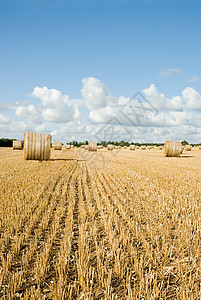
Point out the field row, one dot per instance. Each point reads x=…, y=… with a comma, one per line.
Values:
x=123, y=226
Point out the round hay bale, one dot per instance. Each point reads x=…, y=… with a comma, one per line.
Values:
x=132, y=147
x=72, y=146
x=99, y=147
x=68, y=146
x=187, y=147
x=160, y=147
x=82, y=147
x=57, y=145
x=37, y=146
x=92, y=146
x=143, y=148
x=199, y=147
x=110, y=147
x=86, y=147
x=172, y=149
x=17, y=145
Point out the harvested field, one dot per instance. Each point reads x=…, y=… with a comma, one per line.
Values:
x=100, y=225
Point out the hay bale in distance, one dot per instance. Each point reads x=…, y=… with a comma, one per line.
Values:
x=17, y=145
x=172, y=149
x=132, y=147
x=37, y=146
x=110, y=147
x=68, y=146
x=143, y=148
x=187, y=147
x=57, y=145
x=92, y=146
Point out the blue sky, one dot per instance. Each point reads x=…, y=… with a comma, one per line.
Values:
x=126, y=46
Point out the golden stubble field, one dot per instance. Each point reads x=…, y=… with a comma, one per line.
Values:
x=105, y=225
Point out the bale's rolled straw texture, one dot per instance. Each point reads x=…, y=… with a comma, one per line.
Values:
x=132, y=147
x=92, y=146
x=187, y=147
x=172, y=149
x=17, y=145
x=110, y=147
x=37, y=146
x=143, y=148
x=57, y=145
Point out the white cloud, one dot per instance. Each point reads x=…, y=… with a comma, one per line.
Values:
x=4, y=119
x=160, y=102
x=58, y=114
x=54, y=132
x=193, y=79
x=30, y=113
x=102, y=115
x=40, y=128
x=167, y=72
x=50, y=97
x=95, y=93
x=192, y=98
x=56, y=107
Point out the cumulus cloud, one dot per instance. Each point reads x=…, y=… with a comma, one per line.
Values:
x=4, y=119
x=167, y=72
x=155, y=119
x=160, y=101
x=30, y=113
x=192, y=98
x=56, y=107
x=95, y=93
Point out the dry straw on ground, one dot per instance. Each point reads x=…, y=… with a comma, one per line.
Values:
x=172, y=149
x=92, y=146
x=129, y=230
x=37, y=146
x=17, y=145
x=57, y=145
